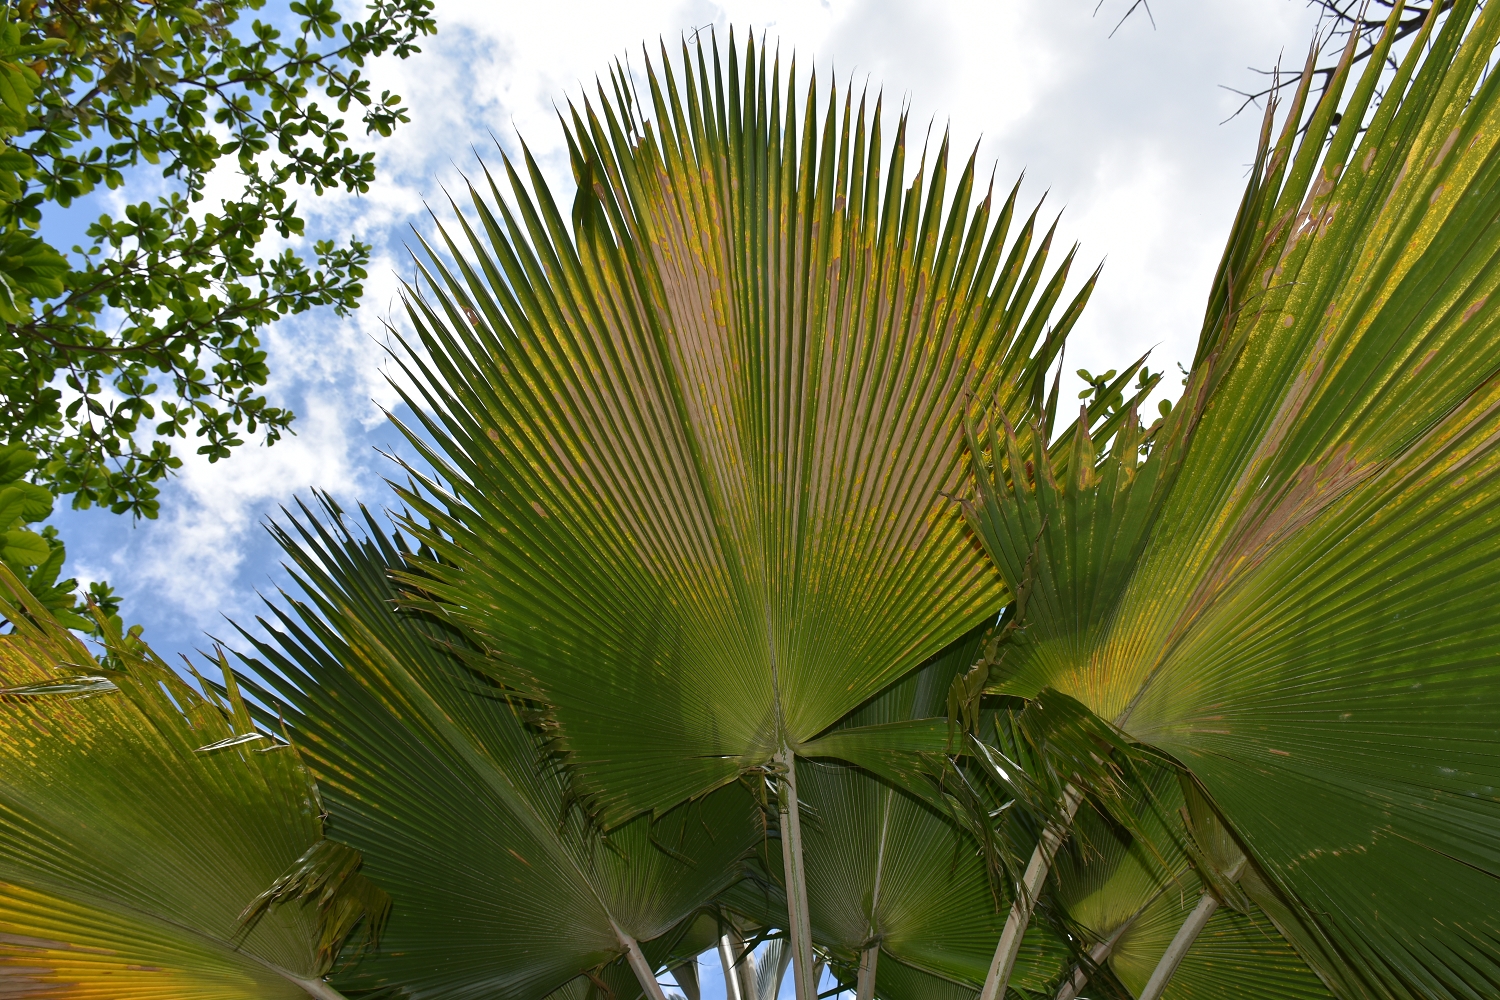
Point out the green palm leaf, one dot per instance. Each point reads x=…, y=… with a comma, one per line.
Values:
x=1238, y=955
x=696, y=446
x=1293, y=596
x=695, y=452
x=128, y=853
x=1127, y=894
x=460, y=812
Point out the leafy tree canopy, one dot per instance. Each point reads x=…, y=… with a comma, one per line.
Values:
x=36, y=557
x=150, y=330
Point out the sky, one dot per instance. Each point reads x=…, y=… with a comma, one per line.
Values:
x=1127, y=129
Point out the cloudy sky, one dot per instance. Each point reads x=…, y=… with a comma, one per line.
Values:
x=1126, y=135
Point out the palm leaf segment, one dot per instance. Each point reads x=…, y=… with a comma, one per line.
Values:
x=139, y=821
x=500, y=889
x=1295, y=594
x=697, y=445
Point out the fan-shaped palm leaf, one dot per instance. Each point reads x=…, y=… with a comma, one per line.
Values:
x=429, y=769
x=1294, y=596
x=696, y=446
x=129, y=848
x=710, y=439
x=1127, y=897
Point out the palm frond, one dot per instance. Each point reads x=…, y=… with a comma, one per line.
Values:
x=454, y=800
x=891, y=862
x=1308, y=624
x=129, y=846
x=695, y=447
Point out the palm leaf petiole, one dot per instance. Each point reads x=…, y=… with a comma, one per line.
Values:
x=1009, y=946
x=739, y=966
x=800, y=929
x=316, y=988
x=1098, y=954
x=1181, y=942
x=638, y=964
x=865, y=985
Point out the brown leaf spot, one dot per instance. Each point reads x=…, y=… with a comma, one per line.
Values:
x=1443, y=153
x=1469, y=312
x=1281, y=511
x=1279, y=753
x=542, y=511
x=41, y=944
x=1287, y=320
x=492, y=434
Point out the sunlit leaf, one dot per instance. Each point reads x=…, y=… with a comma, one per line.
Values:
x=696, y=448
x=125, y=857
x=1294, y=595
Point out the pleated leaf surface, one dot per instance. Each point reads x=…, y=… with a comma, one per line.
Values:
x=1308, y=624
x=126, y=857
x=883, y=865
x=695, y=440
x=1113, y=886
x=499, y=889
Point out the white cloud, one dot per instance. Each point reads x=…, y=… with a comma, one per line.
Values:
x=193, y=559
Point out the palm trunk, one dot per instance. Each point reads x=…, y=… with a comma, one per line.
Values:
x=1009, y=947
x=638, y=964
x=865, y=984
x=1186, y=935
x=800, y=929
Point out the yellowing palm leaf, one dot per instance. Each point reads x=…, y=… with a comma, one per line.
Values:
x=1294, y=595
x=696, y=449
x=697, y=445
x=128, y=854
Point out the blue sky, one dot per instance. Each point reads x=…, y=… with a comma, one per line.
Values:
x=1125, y=134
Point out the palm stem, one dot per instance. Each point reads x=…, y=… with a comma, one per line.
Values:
x=1097, y=955
x=1186, y=935
x=865, y=984
x=739, y=966
x=638, y=964
x=1009, y=946
x=727, y=957
x=317, y=988
x=800, y=931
